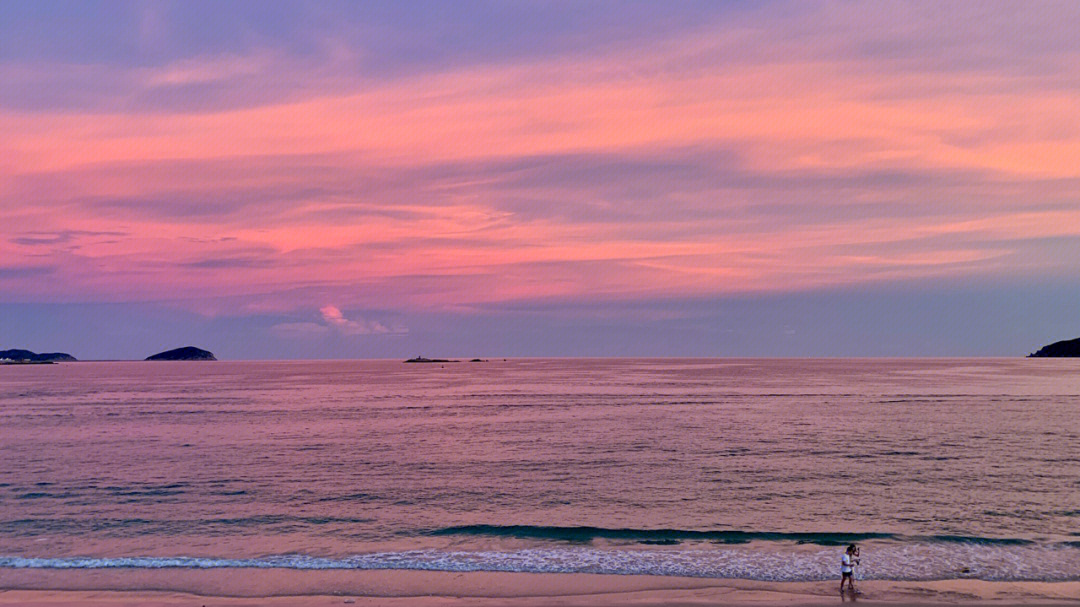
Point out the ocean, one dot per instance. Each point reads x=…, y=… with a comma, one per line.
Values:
x=759, y=469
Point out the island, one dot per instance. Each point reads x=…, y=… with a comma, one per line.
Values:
x=421, y=359
x=27, y=357
x=186, y=353
x=1070, y=348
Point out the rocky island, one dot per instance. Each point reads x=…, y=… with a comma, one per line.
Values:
x=186, y=353
x=27, y=357
x=421, y=359
x=1070, y=348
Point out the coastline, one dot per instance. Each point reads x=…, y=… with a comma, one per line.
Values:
x=236, y=588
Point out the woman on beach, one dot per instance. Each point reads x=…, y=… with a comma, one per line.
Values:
x=847, y=567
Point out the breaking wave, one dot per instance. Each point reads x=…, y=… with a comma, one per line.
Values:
x=900, y=561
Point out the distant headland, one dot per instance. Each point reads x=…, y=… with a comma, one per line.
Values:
x=27, y=357
x=186, y=353
x=1070, y=348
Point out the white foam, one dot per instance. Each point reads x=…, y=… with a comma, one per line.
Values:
x=892, y=562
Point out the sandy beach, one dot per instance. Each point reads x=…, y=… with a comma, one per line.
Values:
x=443, y=589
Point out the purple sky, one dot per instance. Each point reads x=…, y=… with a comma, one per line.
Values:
x=297, y=180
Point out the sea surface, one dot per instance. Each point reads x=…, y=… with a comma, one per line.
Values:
x=728, y=468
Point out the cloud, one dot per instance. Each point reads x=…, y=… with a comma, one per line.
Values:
x=746, y=151
x=229, y=262
x=203, y=70
x=31, y=239
x=334, y=318
x=24, y=272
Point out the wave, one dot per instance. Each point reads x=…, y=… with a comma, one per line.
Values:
x=913, y=562
x=142, y=526
x=585, y=534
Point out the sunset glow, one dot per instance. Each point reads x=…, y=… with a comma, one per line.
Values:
x=336, y=177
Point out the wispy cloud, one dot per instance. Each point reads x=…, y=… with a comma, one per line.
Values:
x=204, y=70
x=15, y=272
x=677, y=153
x=31, y=239
x=355, y=326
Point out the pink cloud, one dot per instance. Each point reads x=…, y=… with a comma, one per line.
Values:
x=202, y=70
x=416, y=192
x=335, y=319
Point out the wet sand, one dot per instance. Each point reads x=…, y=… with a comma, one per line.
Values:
x=444, y=589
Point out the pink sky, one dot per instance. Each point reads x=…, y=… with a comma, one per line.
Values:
x=771, y=149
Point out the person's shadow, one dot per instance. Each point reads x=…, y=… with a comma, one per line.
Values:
x=848, y=596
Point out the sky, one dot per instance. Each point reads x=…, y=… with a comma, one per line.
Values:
x=387, y=179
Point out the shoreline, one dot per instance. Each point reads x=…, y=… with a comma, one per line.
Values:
x=235, y=588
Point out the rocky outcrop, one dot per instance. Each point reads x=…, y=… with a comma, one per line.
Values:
x=1069, y=348
x=186, y=353
x=26, y=356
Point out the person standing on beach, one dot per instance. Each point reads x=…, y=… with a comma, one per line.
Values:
x=855, y=563
x=847, y=568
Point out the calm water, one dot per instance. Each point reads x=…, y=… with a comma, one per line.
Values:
x=753, y=469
